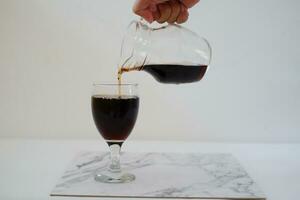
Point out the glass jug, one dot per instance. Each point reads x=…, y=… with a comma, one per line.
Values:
x=170, y=53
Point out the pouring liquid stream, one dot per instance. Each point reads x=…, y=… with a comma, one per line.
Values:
x=121, y=70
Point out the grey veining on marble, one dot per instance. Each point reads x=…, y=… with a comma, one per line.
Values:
x=161, y=175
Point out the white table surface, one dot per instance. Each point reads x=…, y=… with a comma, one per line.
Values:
x=30, y=168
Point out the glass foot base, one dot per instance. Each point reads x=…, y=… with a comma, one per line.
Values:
x=109, y=177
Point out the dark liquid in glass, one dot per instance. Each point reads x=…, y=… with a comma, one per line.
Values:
x=115, y=116
x=171, y=73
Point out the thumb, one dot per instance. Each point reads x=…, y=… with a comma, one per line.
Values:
x=146, y=14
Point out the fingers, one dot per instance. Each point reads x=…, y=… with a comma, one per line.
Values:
x=144, y=8
x=164, y=11
x=146, y=14
x=171, y=12
x=175, y=11
x=183, y=16
x=189, y=3
x=140, y=5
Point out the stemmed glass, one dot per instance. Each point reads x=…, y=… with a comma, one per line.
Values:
x=115, y=109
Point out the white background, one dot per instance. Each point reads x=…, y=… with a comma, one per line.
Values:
x=52, y=51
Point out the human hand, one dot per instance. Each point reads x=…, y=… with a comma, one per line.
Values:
x=170, y=11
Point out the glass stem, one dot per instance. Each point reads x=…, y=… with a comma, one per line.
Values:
x=115, y=158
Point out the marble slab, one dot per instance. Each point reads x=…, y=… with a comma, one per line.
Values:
x=161, y=175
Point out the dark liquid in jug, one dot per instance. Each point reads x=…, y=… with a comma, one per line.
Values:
x=170, y=73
